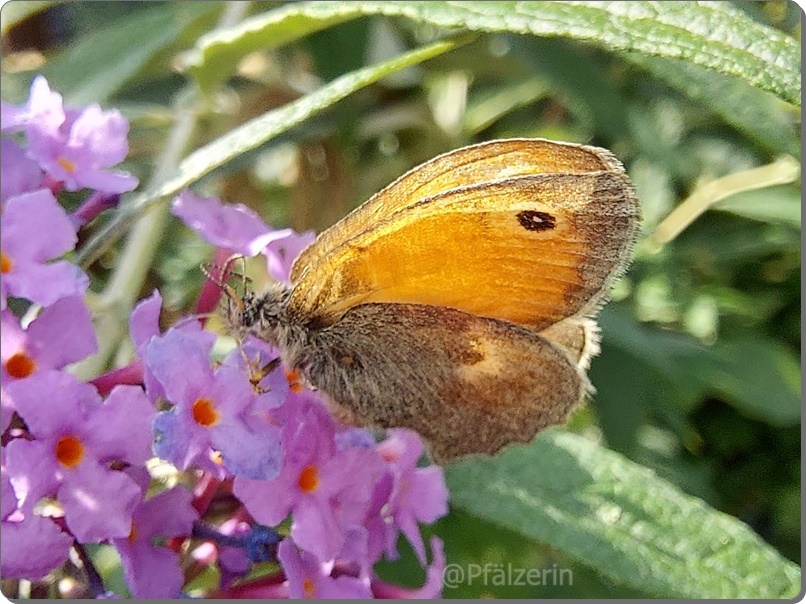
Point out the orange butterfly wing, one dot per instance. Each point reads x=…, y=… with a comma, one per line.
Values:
x=538, y=244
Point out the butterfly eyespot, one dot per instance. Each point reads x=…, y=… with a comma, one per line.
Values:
x=532, y=220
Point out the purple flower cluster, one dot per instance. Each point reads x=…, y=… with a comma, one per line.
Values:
x=68, y=455
x=266, y=473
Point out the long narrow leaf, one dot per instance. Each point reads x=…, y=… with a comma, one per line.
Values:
x=709, y=34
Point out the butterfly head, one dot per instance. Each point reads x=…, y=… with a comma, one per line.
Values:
x=264, y=315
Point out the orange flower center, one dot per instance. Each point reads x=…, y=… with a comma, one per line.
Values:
x=294, y=380
x=309, y=587
x=69, y=451
x=205, y=413
x=133, y=534
x=6, y=264
x=20, y=365
x=66, y=164
x=309, y=479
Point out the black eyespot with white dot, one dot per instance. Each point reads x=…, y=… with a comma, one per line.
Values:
x=532, y=220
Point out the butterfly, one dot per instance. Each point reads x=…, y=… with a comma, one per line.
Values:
x=460, y=300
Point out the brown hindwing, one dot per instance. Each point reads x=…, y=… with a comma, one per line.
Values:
x=468, y=384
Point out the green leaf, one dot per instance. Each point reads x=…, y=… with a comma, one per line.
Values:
x=256, y=132
x=714, y=35
x=781, y=205
x=98, y=65
x=639, y=374
x=654, y=349
x=739, y=242
x=757, y=375
x=212, y=58
x=759, y=115
x=639, y=365
x=621, y=519
x=486, y=107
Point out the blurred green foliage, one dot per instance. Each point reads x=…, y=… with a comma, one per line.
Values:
x=699, y=375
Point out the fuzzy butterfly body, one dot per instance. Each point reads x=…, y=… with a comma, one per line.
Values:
x=459, y=300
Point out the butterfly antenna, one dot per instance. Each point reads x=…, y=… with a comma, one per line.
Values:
x=231, y=293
